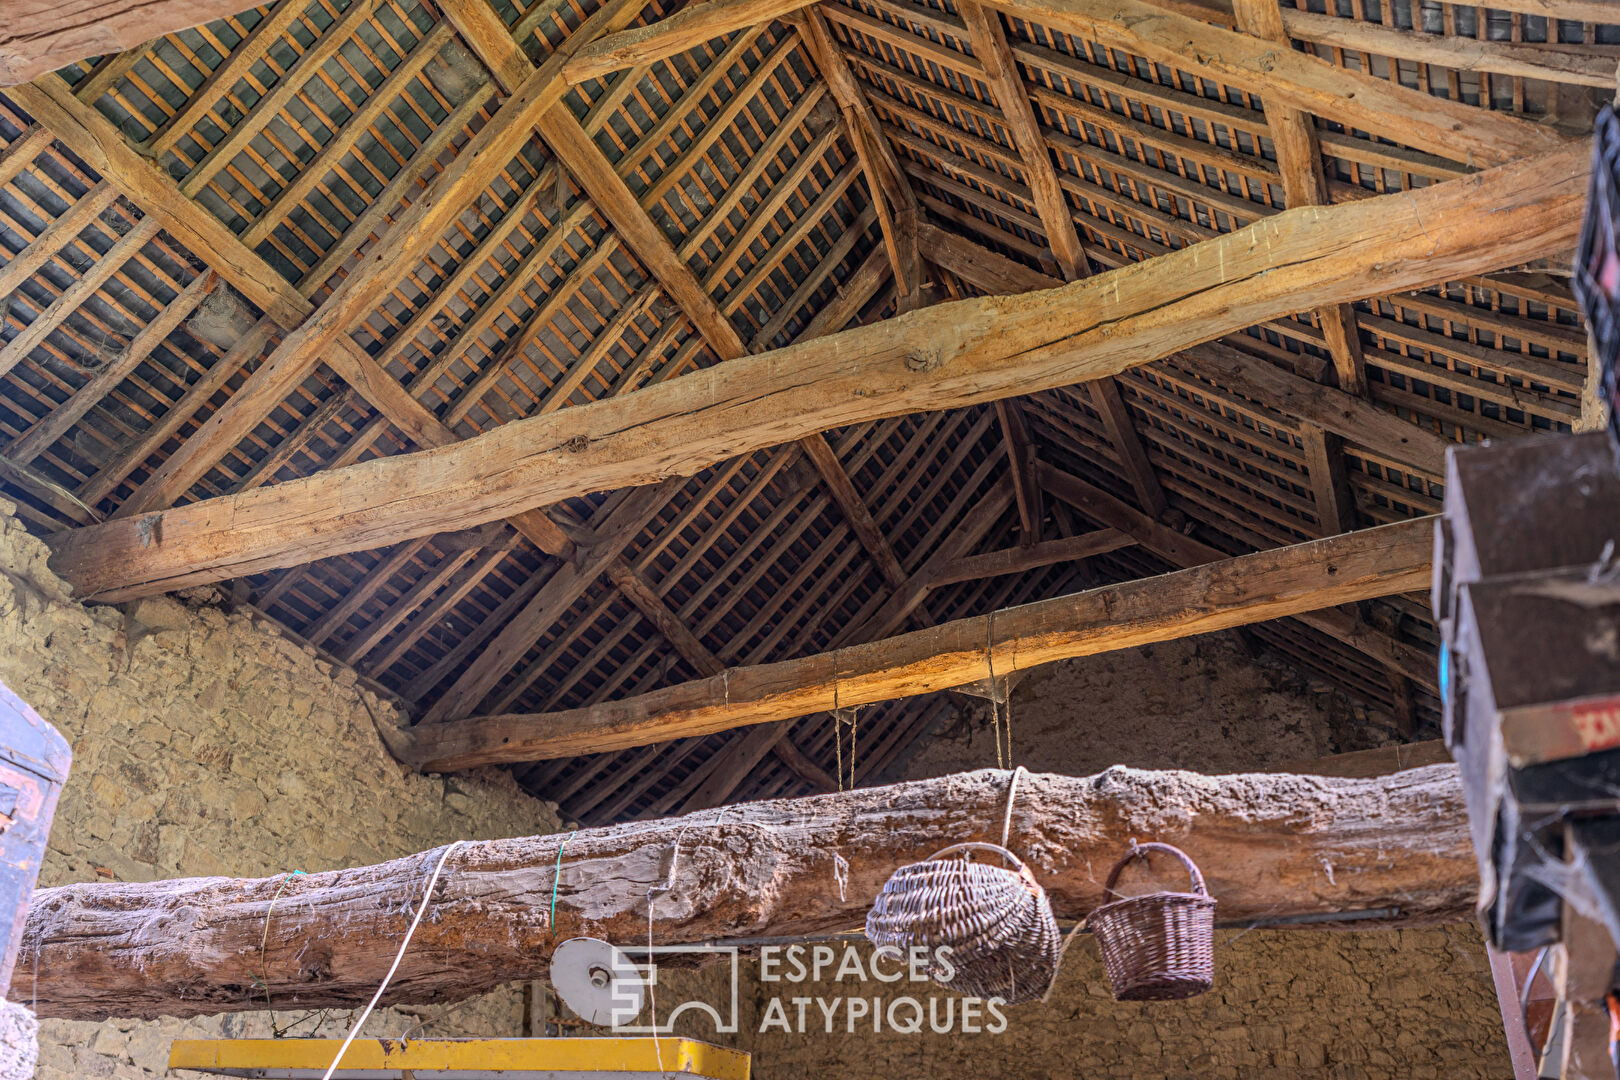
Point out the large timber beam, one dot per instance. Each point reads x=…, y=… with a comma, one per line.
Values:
x=39, y=36
x=1271, y=846
x=1217, y=596
x=1183, y=550
x=1411, y=117
x=1551, y=61
x=1408, y=116
x=941, y=357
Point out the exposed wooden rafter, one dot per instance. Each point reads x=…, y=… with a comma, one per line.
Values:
x=950, y=355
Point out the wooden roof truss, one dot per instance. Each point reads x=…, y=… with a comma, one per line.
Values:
x=324, y=232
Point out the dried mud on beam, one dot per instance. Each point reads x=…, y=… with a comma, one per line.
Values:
x=1271, y=845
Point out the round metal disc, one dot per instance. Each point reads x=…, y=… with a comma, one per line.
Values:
x=597, y=981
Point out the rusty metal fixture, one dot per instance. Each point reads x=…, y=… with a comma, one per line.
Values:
x=996, y=920
x=1158, y=946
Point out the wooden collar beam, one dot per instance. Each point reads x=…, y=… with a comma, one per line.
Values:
x=1217, y=596
x=942, y=357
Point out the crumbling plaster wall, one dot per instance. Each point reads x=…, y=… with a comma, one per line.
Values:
x=207, y=743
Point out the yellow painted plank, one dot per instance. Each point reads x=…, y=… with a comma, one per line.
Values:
x=621, y=1055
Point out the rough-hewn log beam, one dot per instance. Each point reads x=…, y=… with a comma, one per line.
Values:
x=1182, y=550
x=1351, y=418
x=39, y=36
x=1552, y=62
x=1270, y=845
x=943, y=357
x=1217, y=596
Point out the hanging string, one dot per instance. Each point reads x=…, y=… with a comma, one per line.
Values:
x=995, y=702
x=556, y=877
x=427, y=898
x=1006, y=817
x=838, y=735
x=1009, y=700
x=854, y=727
x=264, y=970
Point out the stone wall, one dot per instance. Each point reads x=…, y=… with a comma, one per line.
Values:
x=1296, y=1004
x=210, y=744
x=207, y=743
x=1389, y=1005
x=1195, y=703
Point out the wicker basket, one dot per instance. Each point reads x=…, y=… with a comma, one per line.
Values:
x=1161, y=946
x=997, y=921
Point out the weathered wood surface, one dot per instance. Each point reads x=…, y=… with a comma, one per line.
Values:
x=942, y=357
x=39, y=36
x=1449, y=129
x=1270, y=845
x=1218, y=596
x=686, y=29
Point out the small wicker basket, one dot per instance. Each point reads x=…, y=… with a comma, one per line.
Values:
x=1161, y=946
x=997, y=921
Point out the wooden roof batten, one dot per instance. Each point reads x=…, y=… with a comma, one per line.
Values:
x=605, y=199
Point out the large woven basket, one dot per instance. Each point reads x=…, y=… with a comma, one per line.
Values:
x=997, y=921
x=1160, y=946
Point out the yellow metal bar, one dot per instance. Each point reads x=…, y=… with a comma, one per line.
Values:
x=630, y=1056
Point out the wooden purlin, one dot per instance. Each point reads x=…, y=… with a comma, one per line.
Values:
x=1281, y=582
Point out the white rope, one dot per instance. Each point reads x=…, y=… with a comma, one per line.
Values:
x=1006, y=817
x=403, y=945
x=653, y=892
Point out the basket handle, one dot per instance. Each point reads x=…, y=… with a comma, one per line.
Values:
x=1140, y=851
x=980, y=845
